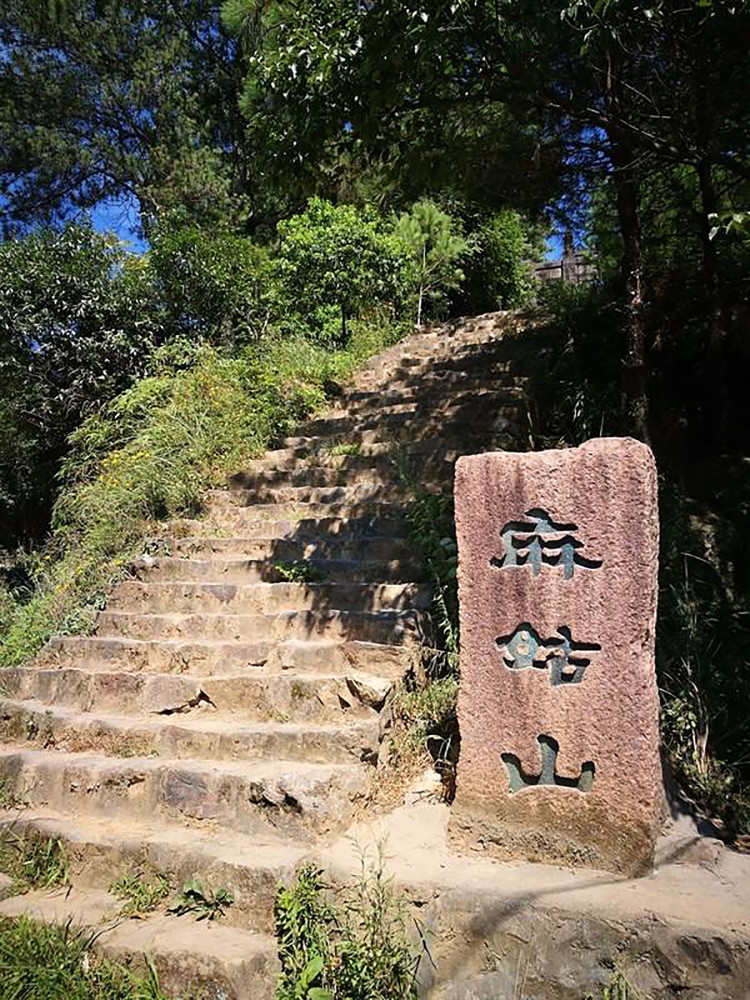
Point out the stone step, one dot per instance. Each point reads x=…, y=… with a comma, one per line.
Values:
x=137, y=597
x=252, y=797
x=348, y=469
x=301, y=526
x=315, y=698
x=442, y=397
x=446, y=381
x=385, y=518
x=365, y=491
x=274, y=569
x=228, y=962
x=416, y=424
x=104, y=849
x=390, y=627
x=209, y=658
x=337, y=544
x=196, y=733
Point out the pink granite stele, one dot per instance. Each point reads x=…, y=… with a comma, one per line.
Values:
x=558, y=706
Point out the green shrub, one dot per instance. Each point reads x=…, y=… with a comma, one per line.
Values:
x=212, y=285
x=353, y=948
x=338, y=261
x=504, y=248
x=77, y=325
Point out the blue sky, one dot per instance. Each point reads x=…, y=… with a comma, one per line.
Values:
x=120, y=217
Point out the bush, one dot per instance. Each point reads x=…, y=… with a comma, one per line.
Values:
x=214, y=286
x=355, y=949
x=77, y=324
x=503, y=249
x=338, y=261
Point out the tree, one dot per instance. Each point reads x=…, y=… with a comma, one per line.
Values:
x=77, y=324
x=435, y=246
x=336, y=255
x=105, y=100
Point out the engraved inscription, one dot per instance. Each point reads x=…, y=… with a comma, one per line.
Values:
x=549, y=749
x=561, y=654
x=541, y=541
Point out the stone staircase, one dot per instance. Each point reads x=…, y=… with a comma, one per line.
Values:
x=224, y=720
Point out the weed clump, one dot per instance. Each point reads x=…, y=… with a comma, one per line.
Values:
x=354, y=947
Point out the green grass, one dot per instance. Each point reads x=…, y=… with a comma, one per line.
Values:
x=46, y=962
x=141, y=890
x=152, y=453
x=33, y=861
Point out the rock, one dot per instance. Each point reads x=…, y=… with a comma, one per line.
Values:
x=371, y=691
x=558, y=707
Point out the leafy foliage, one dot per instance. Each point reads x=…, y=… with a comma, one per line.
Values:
x=215, y=285
x=435, y=246
x=75, y=328
x=336, y=256
x=205, y=904
x=354, y=948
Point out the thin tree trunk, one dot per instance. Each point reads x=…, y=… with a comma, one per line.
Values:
x=710, y=269
x=627, y=188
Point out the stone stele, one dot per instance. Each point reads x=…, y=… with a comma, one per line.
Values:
x=558, y=706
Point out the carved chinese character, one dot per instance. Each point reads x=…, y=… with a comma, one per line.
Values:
x=542, y=541
x=561, y=654
x=549, y=749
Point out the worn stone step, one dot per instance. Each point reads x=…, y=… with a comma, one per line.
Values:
x=104, y=849
x=449, y=381
x=338, y=544
x=274, y=569
x=346, y=470
x=385, y=518
x=444, y=396
x=220, y=961
x=251, y=797
x=196, y=733
x=391, y=627
x=317, y=698
x=300, y=526
x=157, y=597
x=429, y=422
x=365, y=491
x=207, y=658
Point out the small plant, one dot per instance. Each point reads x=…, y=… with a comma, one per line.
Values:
x=206, y=904
x=141, y=890
x=618, y=988
x=353, y=949
x=301, y=571
x=33, y=861
x=9, y=797
x=344, y=448
x=432, y=531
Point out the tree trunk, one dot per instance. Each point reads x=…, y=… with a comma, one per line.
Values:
x=627, y=188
